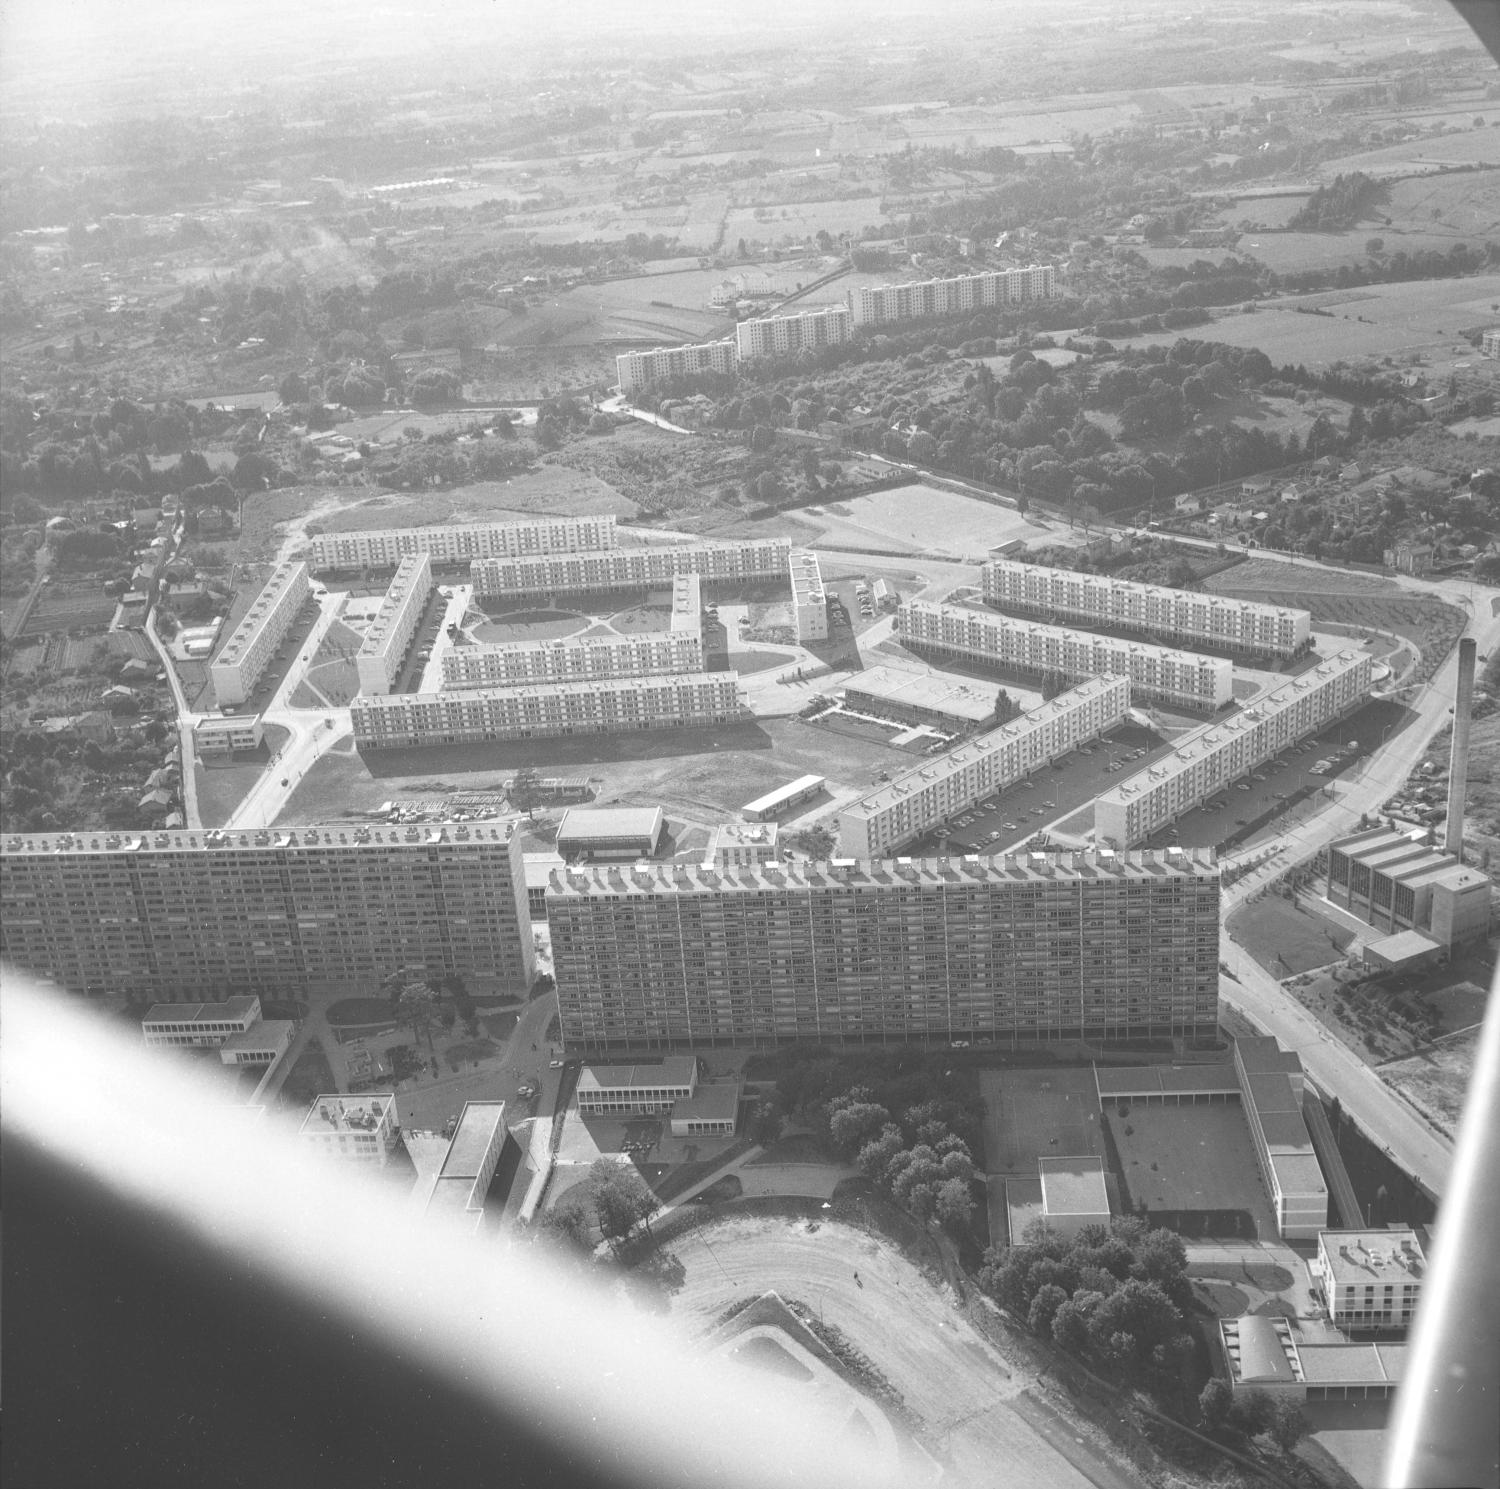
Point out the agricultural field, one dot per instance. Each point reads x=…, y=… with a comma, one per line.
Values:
x=1428, y=153
x=802, y=220
x=669, y=308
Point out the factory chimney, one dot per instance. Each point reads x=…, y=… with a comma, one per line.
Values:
x=1458, y=762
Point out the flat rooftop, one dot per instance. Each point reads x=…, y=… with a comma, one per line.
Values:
x=674, y=1070
x=471, y=1139
x=1260, y=1054
x=201, y=1013
x=607, y=824
x=919, y=777
x=744, y=835
x=1366, y=1256
x=1351, y=1364
x=1403, y=946
x=1082, y=866
x=1165, y=1080
x=336, y=1113
x=1073, y=1186
x=792, y=788
x=475, y=697
x=929, y=690
x=350, y=838
x=715, y=1103
x=268, y=1034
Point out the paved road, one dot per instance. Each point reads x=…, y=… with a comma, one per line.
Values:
x=971, y=1398
x=185, y=721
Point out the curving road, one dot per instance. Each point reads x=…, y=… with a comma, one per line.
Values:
x=975, y=1403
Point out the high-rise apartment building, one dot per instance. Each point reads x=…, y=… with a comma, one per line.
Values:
x=243, y=658
x=784, y=335
x=1185, y=617
x=630, y=568
x=379, y=657
x=178, y=914
x=384, y=548
x=1217, y=755
x=636, y=370
x=689, y=700
x=1038, y=946
x=923, y=798
x=809, y=598
x=961, y=295
x=1158, y=674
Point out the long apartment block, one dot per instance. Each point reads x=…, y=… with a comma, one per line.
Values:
x=1157, y=674
x=959, y=295
x=384, y=548
x=514, y=664
x=380, y=654
x=1036, y=946
x=923, y=798
x=636, y=370
x=689, y=700
x=784, y=335
x=1186, y=617
x=809, y=598
x=175, y=915
x=243, y=658
x=1217, y=755
x=630, y=568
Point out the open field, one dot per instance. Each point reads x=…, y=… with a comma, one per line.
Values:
x=1272, y=575
x=1285, y=938
x=920, y=518
x=222, y=784
x=1190, y=1158
x=1031, y=1114
x=1468, y=147
x=1437, y=1080
x=802, y=220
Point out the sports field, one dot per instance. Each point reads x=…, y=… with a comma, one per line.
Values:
x=920, y=518
x=1031, y=1114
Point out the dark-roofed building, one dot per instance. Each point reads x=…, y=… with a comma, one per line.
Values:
x=610, y=832
x=636, y=1090
x=711, y=1111
x=469, y=1166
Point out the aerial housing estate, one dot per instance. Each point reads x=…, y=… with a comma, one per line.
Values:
x=379, y=658
x=460, y=542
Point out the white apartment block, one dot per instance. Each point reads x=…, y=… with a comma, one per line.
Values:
x=784, y=335
x=1372, y=1279
x=1157, y=674
x=1024, y=947
x=220, y=735
x=809, y=598
x=172, y=914
x=262, y=628
x=630, y=568
x=384, y=548
x=515, y=664
x=1184, y=616
x=992, y=289
x=923, y=798
x=358, y=1129
x=637, y=370
x=689, y=700
x=381, y=652
x=1217, y=755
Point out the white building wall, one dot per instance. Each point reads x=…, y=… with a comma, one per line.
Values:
x=630, y=568
x=243, y=658
x=520, y=663
x=385, y=644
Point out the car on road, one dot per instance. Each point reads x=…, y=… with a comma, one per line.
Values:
x=283, y=780
x=1242, y=785
x=554, y=1064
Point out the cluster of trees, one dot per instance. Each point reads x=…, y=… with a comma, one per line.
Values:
x=1222, y=1414
x=918, y=1160
x=608, y=1205
x=1114, y=1297
x=1380, y=267
x=1340, y=204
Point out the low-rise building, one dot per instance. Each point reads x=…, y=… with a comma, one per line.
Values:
x=636, y=1090
x=1271, y=1084
x=957, y=705
x=1264, y=1353
x=1074, y=1194
x=224, y=734
x=742, y=844
x=1372, y=1279
x=198, y=1025
x=712, y=1110
x=468, y=1168
x=770, y=806
x=357, y=1129
x=611, y=832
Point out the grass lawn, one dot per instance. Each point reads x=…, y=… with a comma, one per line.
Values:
x=309, y=1078
x=547, y=489
x=1285, y=939
x=222, y=785
x=361, y=1011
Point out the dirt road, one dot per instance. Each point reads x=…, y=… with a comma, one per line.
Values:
x=973, y=1401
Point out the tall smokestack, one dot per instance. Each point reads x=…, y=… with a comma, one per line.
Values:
x=1458, y=762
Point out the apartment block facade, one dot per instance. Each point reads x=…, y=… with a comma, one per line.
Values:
x=1033, y=947
x=809, y=598
x=784, y=335
x=637, y=370
x=960, y=295
x=384, y=548
x=921, y=799
x=514, y=664
x=176, y=914
x=1157, y=674
x=688, y=700
x=244, y=657
x=1186, y=617
x=1371, y=1278
x=630, y=568
x=379, y=657
x=1217, y=755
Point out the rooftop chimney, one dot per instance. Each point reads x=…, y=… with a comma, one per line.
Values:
x=1458, y=762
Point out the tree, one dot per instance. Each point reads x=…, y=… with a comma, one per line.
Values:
x=1070, y=1329
x=1250, y=1413
x=568, y=1228
x=1288, y=1425
x=877, y=1155
x=1044, y=1308
x=853, y=1119
x=525, y=792
x=622, y=1199
x=414, y=1002
x=1005, y=707
x=1214, y=1401
x=955, y=1204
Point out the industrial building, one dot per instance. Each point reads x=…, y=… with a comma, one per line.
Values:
x=611, y=832
x=378, y=660
x=960, y=295
x=1020, y=947
x=244, y=657
x=513, y=664
x=921, y=698
x=630, y=568
x=922, y=799
x=637, y=370
x=1217, y=755
x=384, y=548
x=1158, y=674
x=1397, y=884
x=1182, y=617
x=688, y=700
x=784, y=335
x=170, y=914
x=809, y=598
